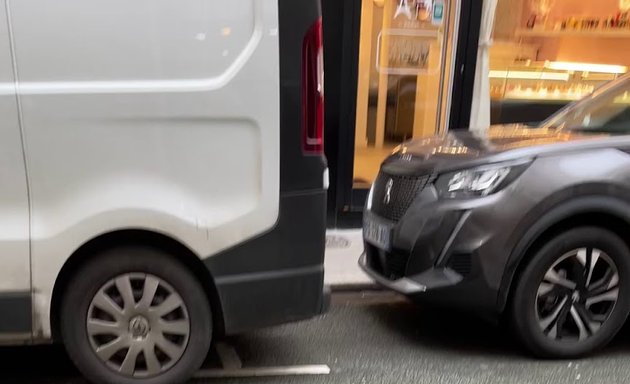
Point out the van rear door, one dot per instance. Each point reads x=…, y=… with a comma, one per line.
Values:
x=279, y=276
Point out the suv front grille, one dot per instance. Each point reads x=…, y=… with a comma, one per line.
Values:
x=391, y=265
x=461, y=263
x=403, y=190
x=395, y=265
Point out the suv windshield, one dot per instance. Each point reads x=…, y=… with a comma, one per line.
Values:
x=607, y=110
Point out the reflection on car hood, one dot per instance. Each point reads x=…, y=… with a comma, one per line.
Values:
x=464, y=146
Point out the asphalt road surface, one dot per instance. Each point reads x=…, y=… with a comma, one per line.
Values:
x=370, y=337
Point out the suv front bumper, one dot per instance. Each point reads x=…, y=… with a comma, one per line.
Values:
x=451, y=252
x=427, y=280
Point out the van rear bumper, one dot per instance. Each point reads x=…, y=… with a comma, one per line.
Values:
x=272, y=298
x=277, y=277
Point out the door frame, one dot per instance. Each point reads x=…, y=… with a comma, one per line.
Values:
x=342, y=23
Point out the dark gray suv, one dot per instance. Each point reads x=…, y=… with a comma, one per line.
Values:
x=530, y=222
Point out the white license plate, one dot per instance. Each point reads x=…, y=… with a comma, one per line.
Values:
x=377, y=232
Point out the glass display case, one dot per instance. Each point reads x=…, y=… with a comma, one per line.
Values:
x=548, y=53
x=554, y=82
x=529, y=91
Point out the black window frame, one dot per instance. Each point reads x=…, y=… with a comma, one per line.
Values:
x=342, y=23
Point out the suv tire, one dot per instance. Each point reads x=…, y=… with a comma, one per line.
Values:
x=554, y=320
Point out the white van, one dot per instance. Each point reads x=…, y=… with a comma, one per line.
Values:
x=162, y=174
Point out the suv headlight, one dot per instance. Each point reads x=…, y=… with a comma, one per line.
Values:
x=476, y=182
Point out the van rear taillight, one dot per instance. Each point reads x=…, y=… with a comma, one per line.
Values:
x=313, y=91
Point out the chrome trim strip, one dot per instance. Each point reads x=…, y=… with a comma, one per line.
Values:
x=403, y=285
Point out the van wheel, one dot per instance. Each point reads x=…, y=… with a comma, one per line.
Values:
x=134, y=315
x=573, y=297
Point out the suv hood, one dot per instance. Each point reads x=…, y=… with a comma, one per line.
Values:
x=459, y=148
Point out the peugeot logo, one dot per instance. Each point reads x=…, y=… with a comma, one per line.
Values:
x=388, y=191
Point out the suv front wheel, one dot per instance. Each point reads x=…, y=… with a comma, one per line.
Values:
x=573, y=296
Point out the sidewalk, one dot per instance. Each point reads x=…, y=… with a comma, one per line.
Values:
x=343, y=248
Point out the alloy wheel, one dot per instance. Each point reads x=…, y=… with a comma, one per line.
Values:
x=577, y=295
x=138, y=325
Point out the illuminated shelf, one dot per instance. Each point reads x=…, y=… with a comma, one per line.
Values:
x=596, y=33
x=534, y=97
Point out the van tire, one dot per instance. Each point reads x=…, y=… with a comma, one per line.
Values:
x=135, y=263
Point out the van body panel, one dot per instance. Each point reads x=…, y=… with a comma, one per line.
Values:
x=15, y=282
x=147, y=40
x=14, y=253
x=169, y=124
x=181, y=119
x=287, y=284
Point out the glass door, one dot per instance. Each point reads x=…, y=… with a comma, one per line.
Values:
x=405, y=69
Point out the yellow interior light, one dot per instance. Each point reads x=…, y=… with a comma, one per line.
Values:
x=528, y=75
x=586, y=67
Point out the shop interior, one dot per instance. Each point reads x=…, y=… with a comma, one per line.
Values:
x=544, y=55
x=547, y=53
x=404, y=72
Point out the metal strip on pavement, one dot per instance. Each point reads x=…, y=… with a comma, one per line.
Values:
x=294, y=370
x=228, y=356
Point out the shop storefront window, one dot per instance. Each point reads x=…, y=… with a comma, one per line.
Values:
x=547, y=53
x=405, y=60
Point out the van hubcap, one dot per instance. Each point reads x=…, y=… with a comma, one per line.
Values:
x=138, y=325
x=577, y=295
